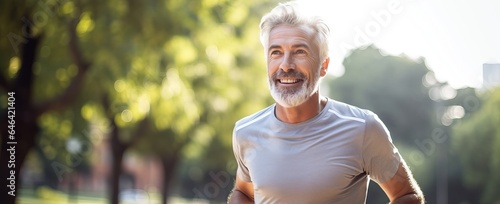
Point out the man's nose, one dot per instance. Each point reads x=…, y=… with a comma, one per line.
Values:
x=287, y=62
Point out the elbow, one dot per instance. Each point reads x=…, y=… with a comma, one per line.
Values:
x=411, y=198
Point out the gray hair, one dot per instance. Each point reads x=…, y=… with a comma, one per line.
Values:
x=289, y=13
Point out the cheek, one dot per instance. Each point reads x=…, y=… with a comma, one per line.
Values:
x=312, y=66
x=313, y=63
x=272, y=67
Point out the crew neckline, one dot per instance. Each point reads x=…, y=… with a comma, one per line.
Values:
x=310, y=120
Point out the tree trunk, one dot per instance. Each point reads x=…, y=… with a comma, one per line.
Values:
x=117, y=151
x=116, y=171
x=14, y=149
x=118, y=148
x=169, y=164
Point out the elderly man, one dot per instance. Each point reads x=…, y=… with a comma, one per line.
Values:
x=307, y=148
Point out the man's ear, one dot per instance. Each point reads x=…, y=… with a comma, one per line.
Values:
x=324, y=67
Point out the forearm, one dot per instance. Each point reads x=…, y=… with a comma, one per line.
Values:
x=412, y=198
x=238, y=197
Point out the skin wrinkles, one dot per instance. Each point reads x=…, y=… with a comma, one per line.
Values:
x=285, y=39
x=295, y=68
x=293, y=54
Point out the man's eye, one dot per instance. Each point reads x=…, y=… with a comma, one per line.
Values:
x=275, y=52
x=300, y=52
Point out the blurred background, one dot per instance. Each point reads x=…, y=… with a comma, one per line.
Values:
x=126, y=101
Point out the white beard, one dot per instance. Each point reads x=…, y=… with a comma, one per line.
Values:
x=288, y=97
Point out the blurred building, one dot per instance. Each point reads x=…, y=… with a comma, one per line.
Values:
x=138, y=172
x=491, y=75
x=144, y=173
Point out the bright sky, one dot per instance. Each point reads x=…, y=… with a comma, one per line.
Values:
x=454, y=36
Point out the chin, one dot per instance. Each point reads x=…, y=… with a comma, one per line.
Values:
x=288, y=101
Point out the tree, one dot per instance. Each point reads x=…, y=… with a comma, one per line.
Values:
x=477, y=143
x=461, y=108
x=165, y=66
x=25, y=38
x=225, y=41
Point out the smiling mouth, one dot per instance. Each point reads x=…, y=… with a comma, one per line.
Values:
x=289, y=81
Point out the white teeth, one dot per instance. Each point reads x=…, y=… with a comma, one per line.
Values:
x=289, y=81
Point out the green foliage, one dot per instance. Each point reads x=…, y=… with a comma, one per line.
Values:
x=193, y=68
x=477, y=141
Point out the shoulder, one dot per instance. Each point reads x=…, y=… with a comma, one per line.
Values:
x=371, y=121
x=350, y=112
x=255, y=118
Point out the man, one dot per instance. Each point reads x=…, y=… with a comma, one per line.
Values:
x=307, y=148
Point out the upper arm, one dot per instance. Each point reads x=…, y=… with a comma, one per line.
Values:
x=403, y=184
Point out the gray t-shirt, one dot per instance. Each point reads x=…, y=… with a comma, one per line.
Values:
x=326, y=159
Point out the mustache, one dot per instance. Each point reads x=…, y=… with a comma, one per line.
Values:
x=290, y=74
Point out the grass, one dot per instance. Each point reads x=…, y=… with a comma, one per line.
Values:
x=45, y=195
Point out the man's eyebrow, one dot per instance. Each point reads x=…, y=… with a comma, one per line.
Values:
x=274, y=47
x=303, y=45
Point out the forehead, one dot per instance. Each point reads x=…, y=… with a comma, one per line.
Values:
x=288, y=35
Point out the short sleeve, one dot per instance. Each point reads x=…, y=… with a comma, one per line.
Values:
x=242, y=171
x=380, y=157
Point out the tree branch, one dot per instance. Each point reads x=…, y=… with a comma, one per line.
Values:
x=116, y=143
x=136, y=135
x=71, y=92
x=139, y=131
x=4, y=84
x=106, y=105
x=22, y=84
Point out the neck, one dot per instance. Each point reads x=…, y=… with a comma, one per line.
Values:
x=302, y=112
